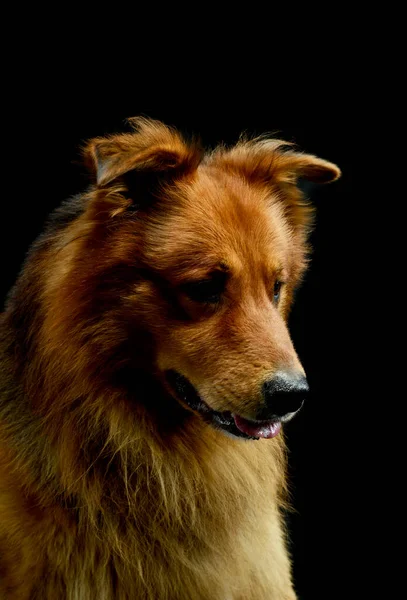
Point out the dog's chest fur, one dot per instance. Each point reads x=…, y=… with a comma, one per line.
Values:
x=224, y=542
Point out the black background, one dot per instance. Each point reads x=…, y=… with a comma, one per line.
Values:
x=42, y=154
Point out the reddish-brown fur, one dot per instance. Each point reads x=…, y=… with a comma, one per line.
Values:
x=109, y=487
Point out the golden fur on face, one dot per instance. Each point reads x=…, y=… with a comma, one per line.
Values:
x=113, y=487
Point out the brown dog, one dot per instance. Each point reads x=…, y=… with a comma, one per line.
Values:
x=145, y=362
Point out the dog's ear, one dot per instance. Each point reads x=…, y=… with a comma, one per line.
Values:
x=291, y=166
x=276, y=162
x=277, y=165
x=151, y=148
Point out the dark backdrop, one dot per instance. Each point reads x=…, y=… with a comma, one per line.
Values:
x=42, y=170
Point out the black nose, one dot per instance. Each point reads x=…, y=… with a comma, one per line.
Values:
x=284, y=394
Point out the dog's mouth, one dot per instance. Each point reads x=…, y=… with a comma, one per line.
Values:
x=227, y=421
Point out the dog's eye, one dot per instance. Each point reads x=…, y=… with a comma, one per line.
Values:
x=277, y=291
x=206, y=290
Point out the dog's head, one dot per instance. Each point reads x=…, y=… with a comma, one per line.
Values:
x=198, y=255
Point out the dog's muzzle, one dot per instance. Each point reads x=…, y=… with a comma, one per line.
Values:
x=283, y=397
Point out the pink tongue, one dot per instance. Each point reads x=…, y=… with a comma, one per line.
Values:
x=266, y=429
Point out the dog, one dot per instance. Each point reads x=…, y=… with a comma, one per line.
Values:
x=147, y=373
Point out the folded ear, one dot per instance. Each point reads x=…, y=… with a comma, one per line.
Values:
x=152, y=147
x=275, y=161
x=291, y=166
x=277, y=165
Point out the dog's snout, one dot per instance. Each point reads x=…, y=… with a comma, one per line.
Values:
x=284, y=394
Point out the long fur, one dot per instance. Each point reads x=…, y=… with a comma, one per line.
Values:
x=109, y=487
